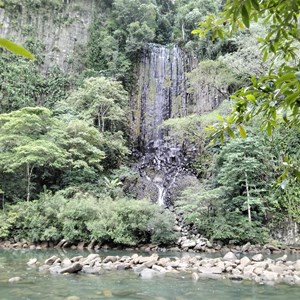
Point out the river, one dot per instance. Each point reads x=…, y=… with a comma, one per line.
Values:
x=121, y=284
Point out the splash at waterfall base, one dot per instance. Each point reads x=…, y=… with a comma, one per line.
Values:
x=164, y=173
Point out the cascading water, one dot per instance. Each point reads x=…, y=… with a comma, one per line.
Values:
x=161, y=95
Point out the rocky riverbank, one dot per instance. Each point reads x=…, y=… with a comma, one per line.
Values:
x=259, y=269
x=184, y=244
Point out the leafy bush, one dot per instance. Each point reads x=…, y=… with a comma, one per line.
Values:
x=84, y=217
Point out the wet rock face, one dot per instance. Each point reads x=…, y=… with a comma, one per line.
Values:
x=161, y=94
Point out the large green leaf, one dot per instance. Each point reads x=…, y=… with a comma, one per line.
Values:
x=17, y=49
x=245, y=16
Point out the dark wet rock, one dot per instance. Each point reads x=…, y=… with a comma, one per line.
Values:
x=92, y=244
x=61, y=243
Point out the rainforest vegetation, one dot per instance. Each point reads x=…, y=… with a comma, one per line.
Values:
x=65, y=133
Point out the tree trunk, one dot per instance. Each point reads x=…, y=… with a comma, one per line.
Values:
x=183, y=31
x=28, y=175
x=248, y=198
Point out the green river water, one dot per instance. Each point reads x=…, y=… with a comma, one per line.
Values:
x=121, y=284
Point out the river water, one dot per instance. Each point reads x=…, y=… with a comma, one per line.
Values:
x=121, y=284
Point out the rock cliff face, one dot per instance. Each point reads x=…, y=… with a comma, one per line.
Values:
x=162, y=93
x=61, y=30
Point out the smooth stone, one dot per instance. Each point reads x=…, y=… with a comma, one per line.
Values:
x=229, y=256
x=14, y=279
x=258, y=257
x=32, y=261
x=74, y=268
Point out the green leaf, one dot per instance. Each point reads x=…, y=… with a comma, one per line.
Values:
x=14, y=48
x=269, y=129
x=286, y=77
x=265, y=56
x=292, y=98
x=250, y=97
x=255, y=4
x=230, y=132
x=242, y=131
x=245, y=16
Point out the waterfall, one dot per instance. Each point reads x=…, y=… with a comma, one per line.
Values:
x=161, y=94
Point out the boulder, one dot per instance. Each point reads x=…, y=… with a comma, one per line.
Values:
x=282, y=258
x=246, y=247
x=244, y=262
x=258, y=257
x=269, y=276
x=76, y=258
x=213, y=270
x=51, y=260
x=277, y=269
x=229, y=256
x=90, y=259
x=81, y=245
x=66, y=262
x=188, y=244
x=14, y=279
x=163, y=262
x=92, y=244
x=74, y=268
x=91, y=270
x=289, y=279
x=148, y=273
x=32, y=262
x=110, y=259
x=55, y=269
x=61, y=243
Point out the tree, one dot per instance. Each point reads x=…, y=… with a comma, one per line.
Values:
x=244, y=173
x=275, y=95
x=40, y=149
x=24, y=143
x=101, y=101
x=234, y=202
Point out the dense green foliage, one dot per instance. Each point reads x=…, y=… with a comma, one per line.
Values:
x=275, y=94
x=65, y=133
x=84, y=217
